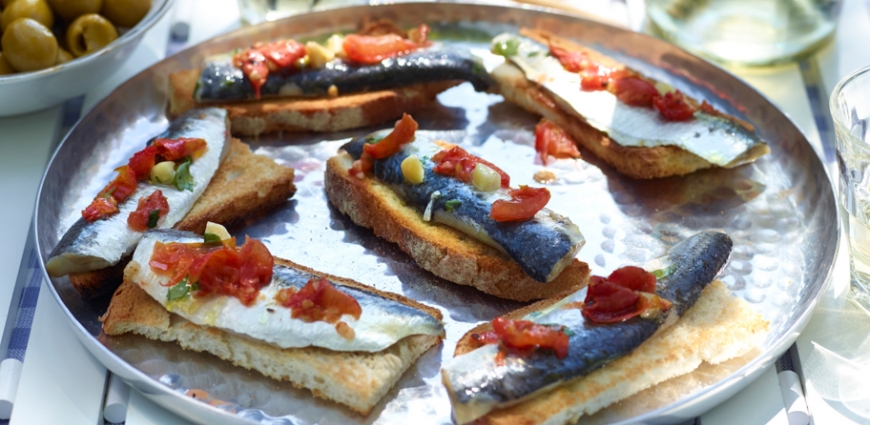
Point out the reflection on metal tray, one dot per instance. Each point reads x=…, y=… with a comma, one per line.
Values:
x=779, y=211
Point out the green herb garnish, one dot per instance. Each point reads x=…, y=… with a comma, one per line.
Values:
x=153, y=217
x=452, y=204
x=567, y=331
x=508, y=47
x=179, y=291
x=183, y=179
x=535, y=53
x=663, y=272
x=211, y=237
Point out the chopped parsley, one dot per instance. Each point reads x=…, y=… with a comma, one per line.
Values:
x=183, y=179
x=664, y=272
x=181, y=290
x=508, y=47
x=108, y=193
x=211, y=237
x=452, y=204
x=153, y=217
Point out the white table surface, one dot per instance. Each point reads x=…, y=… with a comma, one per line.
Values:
x=61, y=383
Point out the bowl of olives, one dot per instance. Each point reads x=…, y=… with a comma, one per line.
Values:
x=54, y=50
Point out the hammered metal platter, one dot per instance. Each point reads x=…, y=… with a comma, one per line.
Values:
x=780, y=212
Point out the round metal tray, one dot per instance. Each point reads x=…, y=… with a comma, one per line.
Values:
x=780, y=212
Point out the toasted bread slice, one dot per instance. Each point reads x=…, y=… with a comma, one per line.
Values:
x=636, y=162
x=245, y=184
x=717, y=328
x=445, y=252
x=356, y=379
x=345, y=112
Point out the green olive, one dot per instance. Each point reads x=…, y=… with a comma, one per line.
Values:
x=29, y=45
x=63, y=56
x=37, y=10
x=5, y=68
x=71, y=9
x=125, y=13
x=89, y=33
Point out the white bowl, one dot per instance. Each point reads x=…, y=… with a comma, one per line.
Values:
x=32, y=91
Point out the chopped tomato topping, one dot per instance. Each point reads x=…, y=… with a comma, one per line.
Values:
x=708, y=108
x=373, y=49
x=282, y=53
x=552, y=140
x=149, y=211
x=419, y=35
x=572, y=61
x=457, y=162
x=253, y=64
x=594, y=79
x=634, y=91
x=673, y=106
x=180, y=148
x=525, y=202
x=525, y=335
x=141, y=162
x=216, y=269
x=99, y=208
x=256, y=264
x=361, y=166
x=318, y=300
x=402, y=133
x=257, y=61
x=626, y=293
x=118, y=189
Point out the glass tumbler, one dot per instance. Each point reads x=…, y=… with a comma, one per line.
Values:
x=850, y=109
x=745, y=32
x=255, y=11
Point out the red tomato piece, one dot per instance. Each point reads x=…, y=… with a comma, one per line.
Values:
x=593, y=81
x=626, y=293
x=142, y=162
x=673, y=106
x=373, y=49
x=634, y=91
x=217, y=269
x=282, y=53
x=525, y=202
x=608, y=302
x=123, y=185
x=708, y=108
x=402, y=133
x=419, y=35
x=634, y=278
x=572, y=61
x=525, y=334
x=253, y=65
x=552, y=140
x=176, y=149
x=318, y=300
x=142, y=219
x=361, y=166
x=99, y=208
x=457, y=162
x=256, y=264
x=488, y=337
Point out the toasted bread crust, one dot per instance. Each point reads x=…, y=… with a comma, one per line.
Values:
x=445, y=252
x=635, y=162
x=717, y=328
x=356, y=379
x=344, y=112
x=245, y=184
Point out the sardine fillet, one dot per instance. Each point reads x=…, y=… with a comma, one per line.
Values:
x=636, y=162
x=356, y=379
x=717, y=328
x=244, y=184
x=443, y=251
x=250, y=119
